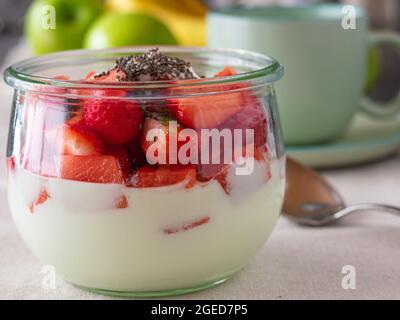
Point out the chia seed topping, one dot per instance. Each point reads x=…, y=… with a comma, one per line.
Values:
x=152, y=66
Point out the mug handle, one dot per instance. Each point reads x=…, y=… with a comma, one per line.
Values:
x=386, y=109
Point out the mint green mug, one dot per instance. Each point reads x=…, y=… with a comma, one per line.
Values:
x=324, y=59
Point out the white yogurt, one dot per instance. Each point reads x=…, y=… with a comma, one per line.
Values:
x=79, y=230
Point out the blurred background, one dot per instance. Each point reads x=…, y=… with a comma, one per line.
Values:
x=171, y=22
x=97, y=23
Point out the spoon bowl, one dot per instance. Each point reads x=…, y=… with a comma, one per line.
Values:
x=311, y=200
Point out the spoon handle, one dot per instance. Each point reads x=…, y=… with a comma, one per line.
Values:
x=317, y=221
x=367, y=207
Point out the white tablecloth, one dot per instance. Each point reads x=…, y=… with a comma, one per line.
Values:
x=296, y=263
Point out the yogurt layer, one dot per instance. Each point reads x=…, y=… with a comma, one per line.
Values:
x=159, y=239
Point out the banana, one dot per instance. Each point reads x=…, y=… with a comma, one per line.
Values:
x=195, y=6
x=189, y=28
x=192, y=7
x=172, y=5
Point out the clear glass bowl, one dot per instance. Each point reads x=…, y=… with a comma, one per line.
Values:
x=88, y=201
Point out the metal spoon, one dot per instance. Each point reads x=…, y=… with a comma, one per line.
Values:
x=311, y=200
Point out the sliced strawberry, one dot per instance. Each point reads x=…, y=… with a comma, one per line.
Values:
x=10, y=164
x=62, y=77
x=43, y=119
x=47, y=94
x=228, y=179
x=108, y=92
x=209, y=110
x=122, y=202
x=157, y=176
x=261, y=153
x=152, y=124
x=121, y=153
x=187, y=226
x=206, y=172
x=136, y=154
x=100, y=169
x=77, y=117
x=43, y=113
x=76, y=139
x=113, y=75
x=35, y=124
x=54, y=125
x=89, y=76
x=161, y=150
x=227, y=71
x=206, y=111
x=220, y=172
x=222, y=178
x=251, y=116
x=100, y=92
x=116, y=121
x=42, y=198
x=232, y=110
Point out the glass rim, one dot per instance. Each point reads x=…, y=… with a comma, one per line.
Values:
x=16, y=77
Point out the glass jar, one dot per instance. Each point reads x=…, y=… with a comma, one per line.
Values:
x=140, y=214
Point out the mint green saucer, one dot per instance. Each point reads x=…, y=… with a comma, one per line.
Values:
x=366, y=140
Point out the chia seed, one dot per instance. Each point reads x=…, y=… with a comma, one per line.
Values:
x=152, y=66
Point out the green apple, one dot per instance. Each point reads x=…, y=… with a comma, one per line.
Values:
x=55, y=25
x=118, y=29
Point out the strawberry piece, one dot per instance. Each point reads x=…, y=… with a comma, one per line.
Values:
x=207, y=111
x=154, y=176
x=42, y=112
x=62, y=77
x=161, y=149
x=42, y=198
x=50, y=94
x=102, y=92
x=113, y=75
x=206, y=172
x=187, y=226
x=116, y=121
x=89, y=76
x=43, y=122
x=226, y=174
x=100, y=169
x=226, y=72
x=219, y=172
x=136, y=154
x=60, y=136
x=121, y=153
x=222, y=178
x=35, y=122
x=76, y=139
x=122, y=202
x=76, y=117
x=152, y=124
x=251, y=116
x=10, y=164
